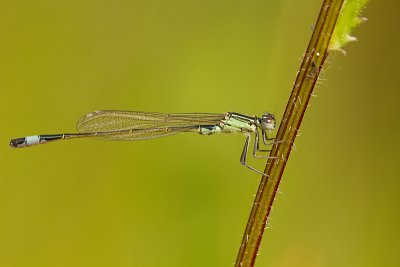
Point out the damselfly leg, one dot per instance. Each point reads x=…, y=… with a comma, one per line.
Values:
x=266, y=138
x=243, y=157
x=256, y=147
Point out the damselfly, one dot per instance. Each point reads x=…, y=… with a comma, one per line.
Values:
x=131, y=125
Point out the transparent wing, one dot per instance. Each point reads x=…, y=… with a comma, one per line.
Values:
x=132, y=125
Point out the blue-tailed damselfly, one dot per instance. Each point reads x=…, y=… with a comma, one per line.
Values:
x=131, y=125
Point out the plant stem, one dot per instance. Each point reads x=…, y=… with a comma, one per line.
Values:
x=313, y=61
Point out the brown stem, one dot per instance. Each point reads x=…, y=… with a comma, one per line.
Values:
x=307, y=76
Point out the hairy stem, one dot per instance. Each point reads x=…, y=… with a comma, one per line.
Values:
x=313, y=61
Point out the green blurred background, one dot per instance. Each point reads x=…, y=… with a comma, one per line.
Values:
x=185, y=200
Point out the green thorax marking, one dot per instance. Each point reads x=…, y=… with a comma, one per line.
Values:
x=238, y=124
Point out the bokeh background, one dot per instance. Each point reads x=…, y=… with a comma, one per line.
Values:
x=185, y=200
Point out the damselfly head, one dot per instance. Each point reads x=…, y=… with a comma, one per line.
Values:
x=268, y=121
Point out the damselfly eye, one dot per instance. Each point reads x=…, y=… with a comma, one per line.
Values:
x=268, y=121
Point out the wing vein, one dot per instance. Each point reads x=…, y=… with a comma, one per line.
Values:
x=132, y=125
